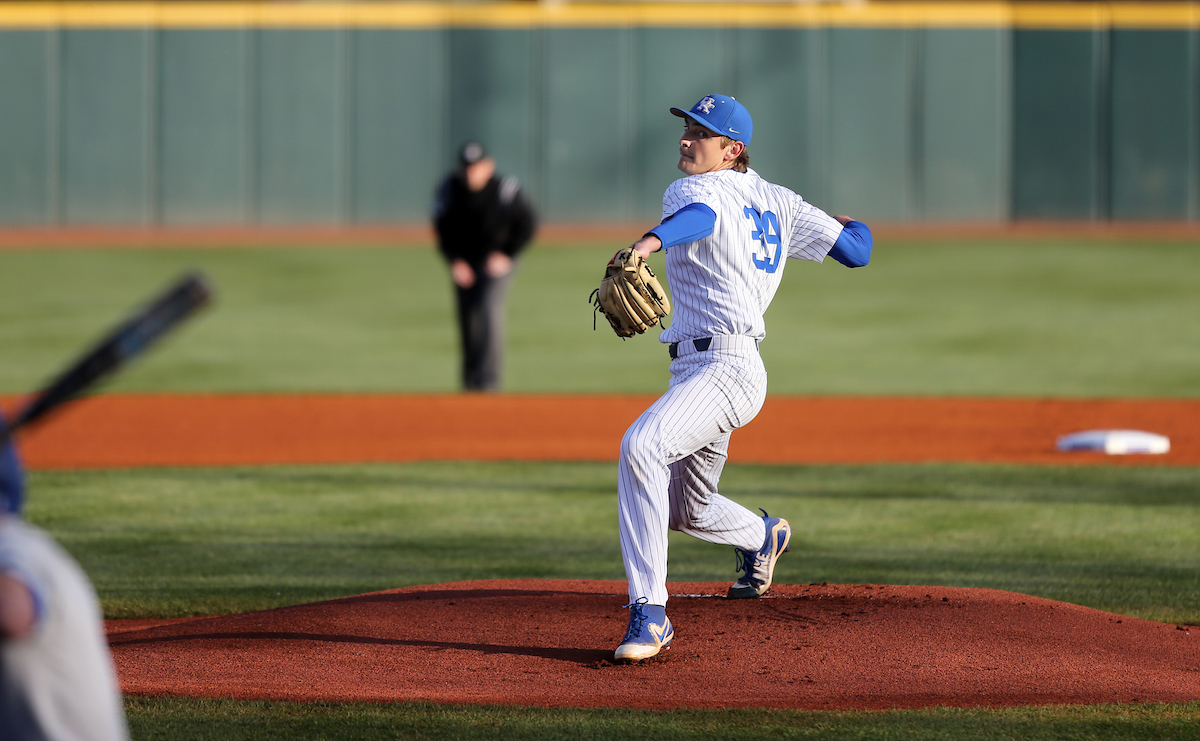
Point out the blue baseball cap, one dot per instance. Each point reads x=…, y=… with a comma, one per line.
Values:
x=723, y=115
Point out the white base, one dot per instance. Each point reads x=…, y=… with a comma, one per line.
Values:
x=1115, y=442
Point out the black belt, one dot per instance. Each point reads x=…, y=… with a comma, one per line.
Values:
x=701, y=345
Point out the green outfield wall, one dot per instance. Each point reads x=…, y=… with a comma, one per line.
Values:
x=241, y=113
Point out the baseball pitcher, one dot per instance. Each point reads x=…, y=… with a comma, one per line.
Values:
x=727, y=234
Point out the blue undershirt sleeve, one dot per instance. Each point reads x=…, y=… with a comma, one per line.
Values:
x=853, y=245
x=693, y=221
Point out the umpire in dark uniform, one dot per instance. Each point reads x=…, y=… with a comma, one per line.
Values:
x=483, y=221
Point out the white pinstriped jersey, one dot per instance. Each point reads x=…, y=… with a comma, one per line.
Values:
x=722, y=284
x=59, y=682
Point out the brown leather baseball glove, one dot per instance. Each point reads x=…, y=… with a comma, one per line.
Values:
x=630, y=296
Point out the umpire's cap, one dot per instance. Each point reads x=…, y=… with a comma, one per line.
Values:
x=471, y=153
x=723, y=115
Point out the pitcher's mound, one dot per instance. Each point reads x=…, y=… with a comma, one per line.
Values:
x=549, y=643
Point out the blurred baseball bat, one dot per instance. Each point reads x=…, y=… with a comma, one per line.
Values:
x=119, y=347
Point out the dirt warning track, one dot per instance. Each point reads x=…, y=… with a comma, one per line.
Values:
x=213, y=430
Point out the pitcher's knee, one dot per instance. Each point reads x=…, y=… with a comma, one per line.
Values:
x=642, y=443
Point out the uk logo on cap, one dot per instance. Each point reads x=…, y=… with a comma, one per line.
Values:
x=721, y=114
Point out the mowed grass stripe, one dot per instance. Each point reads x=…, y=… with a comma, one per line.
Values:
x=988, y=317
x=177, y=542
x=184, y=719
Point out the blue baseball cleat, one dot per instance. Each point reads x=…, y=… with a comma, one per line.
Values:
x=760, y=566
x=649, y=632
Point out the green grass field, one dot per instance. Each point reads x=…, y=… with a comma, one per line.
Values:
x=1060, y=318
x=225, y=540
x=172, y=719
x=1028, y=318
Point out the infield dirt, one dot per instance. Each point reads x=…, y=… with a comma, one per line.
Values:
x=549, y=643
x=215, y=430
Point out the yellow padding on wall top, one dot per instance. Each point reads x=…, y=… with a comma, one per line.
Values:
x=1081, y=16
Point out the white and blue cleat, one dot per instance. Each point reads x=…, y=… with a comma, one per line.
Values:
x=649, y=632
x=760, y=565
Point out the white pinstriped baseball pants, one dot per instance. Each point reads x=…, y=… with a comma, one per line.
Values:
x=672, y=457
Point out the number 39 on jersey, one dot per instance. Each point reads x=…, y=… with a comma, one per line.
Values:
x=766, y=233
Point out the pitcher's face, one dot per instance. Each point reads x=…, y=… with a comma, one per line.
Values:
x=700, y=150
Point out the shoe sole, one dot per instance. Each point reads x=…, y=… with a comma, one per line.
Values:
x=756, y=592
x=634, y=652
